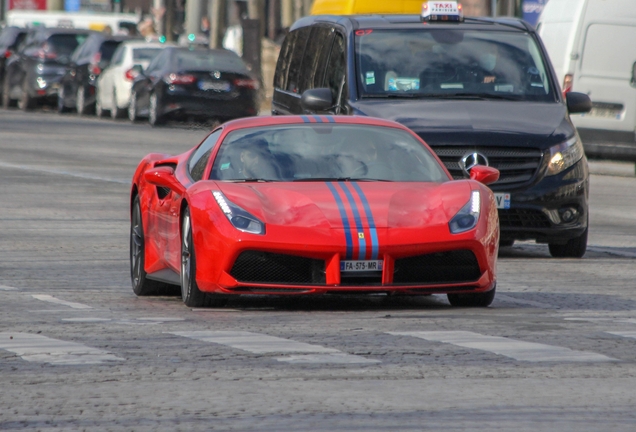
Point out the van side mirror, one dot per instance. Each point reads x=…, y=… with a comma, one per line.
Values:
x=317, y=99
x=578, y=103
x=484, y=174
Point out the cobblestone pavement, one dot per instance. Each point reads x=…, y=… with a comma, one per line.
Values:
x=78, y=351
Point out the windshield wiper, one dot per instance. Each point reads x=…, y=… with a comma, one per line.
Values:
x=339, y=179
x=249, y=180
x=489, y=96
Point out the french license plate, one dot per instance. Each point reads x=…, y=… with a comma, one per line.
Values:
x=360, y=265
x=502, y=199
x=221, y=86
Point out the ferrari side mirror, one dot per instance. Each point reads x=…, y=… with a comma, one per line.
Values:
x=163, y=176
x=484, y=174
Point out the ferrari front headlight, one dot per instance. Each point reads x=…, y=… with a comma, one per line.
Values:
x=239, y=218
x=468, y=216
x=564, y=155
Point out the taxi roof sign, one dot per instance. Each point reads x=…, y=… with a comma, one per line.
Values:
x=442, y=11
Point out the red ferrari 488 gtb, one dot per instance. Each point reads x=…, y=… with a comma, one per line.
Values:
x=308, y=205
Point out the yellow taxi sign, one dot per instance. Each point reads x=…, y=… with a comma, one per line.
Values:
x=442, y=11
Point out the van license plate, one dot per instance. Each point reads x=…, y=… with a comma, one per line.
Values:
x=360, y=265
x=502, y=199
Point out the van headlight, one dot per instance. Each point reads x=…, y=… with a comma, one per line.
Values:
x=239, y=218
x=564, y=155
x=466, y=218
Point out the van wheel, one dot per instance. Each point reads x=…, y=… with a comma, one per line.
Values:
x=574, y=248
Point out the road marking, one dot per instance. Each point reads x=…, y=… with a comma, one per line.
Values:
x=601, y=320
x=623, y=252
x=41, y=349
x=62, y=172
x=628, y=334
x=7, y=288
x=51, y=299
x=138, y=321
x=263, y=344
x=509, y=299
x=338, y=358
x=518, y=350
x=86, y=320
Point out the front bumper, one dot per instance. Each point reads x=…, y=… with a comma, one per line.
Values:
x=543, y=211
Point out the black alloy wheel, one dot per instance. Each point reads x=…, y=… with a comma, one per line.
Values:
x=141, y=285
x=190, y=293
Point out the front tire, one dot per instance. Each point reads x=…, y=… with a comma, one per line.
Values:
x=190, y=293
x=99, y=111
x=141, y=285
x=80, y=101
x=7, y=102
x=472, y=300
x=61, y=108
x=574, y=248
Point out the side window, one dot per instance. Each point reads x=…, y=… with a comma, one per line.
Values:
x=296, y=59
x=282, y=65
x=78, y=53
x=336, y=67
x=200, y=157
x=310, y=66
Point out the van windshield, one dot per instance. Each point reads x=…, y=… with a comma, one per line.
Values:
x=448, y=63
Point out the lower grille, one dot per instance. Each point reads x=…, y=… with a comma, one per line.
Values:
x=442, y=267
x=516, y=165
x=265, y=267
x=523, y=218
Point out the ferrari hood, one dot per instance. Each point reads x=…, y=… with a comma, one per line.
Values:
x=339, y=205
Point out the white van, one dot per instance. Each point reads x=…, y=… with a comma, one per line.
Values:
x=118, y=22
x=591, y=44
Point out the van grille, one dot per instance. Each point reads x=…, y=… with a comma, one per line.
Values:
x=517, y=166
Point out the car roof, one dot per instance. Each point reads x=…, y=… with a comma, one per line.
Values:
x=140, y=43
x=249, y=122
x=412, y=22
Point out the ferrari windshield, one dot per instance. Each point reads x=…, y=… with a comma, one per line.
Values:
x=446, y=63
x=324, y=152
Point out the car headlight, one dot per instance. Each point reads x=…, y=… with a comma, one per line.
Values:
x=466, y=218
x=564, y=155
x=239, y=218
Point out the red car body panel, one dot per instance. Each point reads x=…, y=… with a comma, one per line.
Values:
x=328, y=221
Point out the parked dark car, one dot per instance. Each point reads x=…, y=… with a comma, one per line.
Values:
x=77, y=87
x=194, y=83
x=10, y=38
x=478, y=91
x=33, y=73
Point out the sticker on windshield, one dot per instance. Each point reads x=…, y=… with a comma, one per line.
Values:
x=404, y=84
x=370, y=78
x=225, y=166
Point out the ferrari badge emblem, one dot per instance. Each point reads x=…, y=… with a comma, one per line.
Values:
x=360, y=235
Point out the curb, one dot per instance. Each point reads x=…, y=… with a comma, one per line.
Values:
x=612, y=168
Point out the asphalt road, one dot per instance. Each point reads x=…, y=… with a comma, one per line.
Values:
x=78, y=351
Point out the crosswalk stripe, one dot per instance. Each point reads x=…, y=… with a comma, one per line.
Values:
x=51, y=299
x=7, y=288
x=42, y=349
x=264, y=344
x=518, y=350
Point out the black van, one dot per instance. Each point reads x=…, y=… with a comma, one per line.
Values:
x=478, y=91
